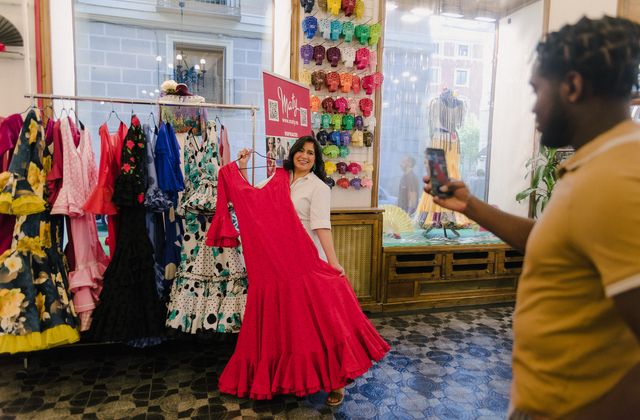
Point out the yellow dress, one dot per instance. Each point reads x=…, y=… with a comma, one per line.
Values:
x=429, y=214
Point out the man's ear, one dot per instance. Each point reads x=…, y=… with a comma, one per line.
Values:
x=572, y=87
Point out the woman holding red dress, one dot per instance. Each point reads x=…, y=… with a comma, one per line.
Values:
x=303, y=330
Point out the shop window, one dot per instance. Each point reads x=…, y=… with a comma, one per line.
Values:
x=412, y=120
x=202, y=69
x=461, y=78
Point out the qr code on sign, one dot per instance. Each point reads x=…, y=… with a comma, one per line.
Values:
x=274, y=114
x=303, y=117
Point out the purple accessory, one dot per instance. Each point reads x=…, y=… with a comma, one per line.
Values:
x=306, y=52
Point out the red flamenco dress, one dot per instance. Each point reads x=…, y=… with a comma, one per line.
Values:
x=303, y=330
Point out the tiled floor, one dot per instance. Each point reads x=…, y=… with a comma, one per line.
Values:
x=447, y=365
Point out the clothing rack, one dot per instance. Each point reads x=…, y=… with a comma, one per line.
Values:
x=252, y=108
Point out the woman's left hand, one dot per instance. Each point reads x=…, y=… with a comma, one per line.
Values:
x=338, y=267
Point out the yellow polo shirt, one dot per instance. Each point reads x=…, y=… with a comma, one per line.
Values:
x=570, y=344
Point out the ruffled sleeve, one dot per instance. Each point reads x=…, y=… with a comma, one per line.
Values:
x=222, y=233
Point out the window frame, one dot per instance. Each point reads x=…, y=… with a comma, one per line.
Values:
x=455, y=77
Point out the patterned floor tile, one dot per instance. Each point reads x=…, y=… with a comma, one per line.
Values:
x=443, y=365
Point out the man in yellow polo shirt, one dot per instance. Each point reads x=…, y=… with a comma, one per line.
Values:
x=576, y=350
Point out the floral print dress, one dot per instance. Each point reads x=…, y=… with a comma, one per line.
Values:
x=210, y=289
x=35, y=310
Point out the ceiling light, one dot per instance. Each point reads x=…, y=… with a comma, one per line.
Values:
x=144, y=91
x=391, y=5
x=485, y=19
x=396, y=81
x=451, y=8
x=485, y=12
x=197, y=67
x=179, y=57
x=422, y=11
x=410, y=18
x=406, y=74
x=203, y=61
x=158, y=58
x=413, y=78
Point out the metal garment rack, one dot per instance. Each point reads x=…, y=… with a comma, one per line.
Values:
x=252, y=108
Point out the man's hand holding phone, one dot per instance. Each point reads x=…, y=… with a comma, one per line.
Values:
x=457, y=195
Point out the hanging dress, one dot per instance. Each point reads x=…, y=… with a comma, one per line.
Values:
x=35, y=310
x=99, y=201
x=171, y=182
x=303, y=330
x=446, y=116
x=210, y=290
x=130, y=308
x=80, y=176
x=9, y=132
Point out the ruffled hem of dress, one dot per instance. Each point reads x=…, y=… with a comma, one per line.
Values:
x=236, y=275
x=21, y=206
x=305, y=374
x=99, y=202
x=156, y=200
x=201, y=201
x=89, y=275
x=52, y=337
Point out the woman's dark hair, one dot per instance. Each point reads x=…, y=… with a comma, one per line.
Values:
x=318, y=167
x=606, y=52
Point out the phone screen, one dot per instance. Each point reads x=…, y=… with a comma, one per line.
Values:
x=437, y=170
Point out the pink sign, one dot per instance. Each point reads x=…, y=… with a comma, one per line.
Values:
x=286, y=105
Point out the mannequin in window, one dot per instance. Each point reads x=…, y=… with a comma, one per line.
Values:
x=446, y=116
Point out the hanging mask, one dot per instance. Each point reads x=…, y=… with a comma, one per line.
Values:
x=359, y=123
x=333, y=7
x=340, y=105
x=366, y=106
x=368, y=138
x=354, y=168
x=374, y=33
x=336, y=30
x=333, y=81
x=367, y=84
x=362, y=58
x=310, y=26
x=359, y=9
x=348, y=56
x=345, y=82
x=334, y=55
x=330, y=167
x=344, y=151
x=306, y=53
x=348, y=29
x=327, y=104
x=342, y=168
x=315, y=101
x=370, y=122
x=324, y=26
x=337, y=121
x=356, y=183
x=343, y=183
x=378, y=78
x=367, y=167
x=345, y=137
x=331, y=151
x=357, y=139
x=336, y=138
x=322, y=5
x=348, y=121
x=353, y=106
x=362, y=33
x=373, y=60
x=330, y=182
x=322, y=137
x=318, y=54
x=326, y=120
x=307, y=5
x=316, y=120
x=355, y=84
x=348, y=6
x=367, y=183
x=317, y=79
x=305, y=77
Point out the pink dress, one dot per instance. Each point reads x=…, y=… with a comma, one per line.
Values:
x=80, y=176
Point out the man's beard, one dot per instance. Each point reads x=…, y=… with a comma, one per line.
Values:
x=557, y=133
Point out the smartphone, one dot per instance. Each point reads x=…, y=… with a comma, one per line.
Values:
x=437, y=171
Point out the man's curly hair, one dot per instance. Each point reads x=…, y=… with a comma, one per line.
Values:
x=605, y=52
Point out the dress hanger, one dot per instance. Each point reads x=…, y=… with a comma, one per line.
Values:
x=113, y=112
x=259, y=154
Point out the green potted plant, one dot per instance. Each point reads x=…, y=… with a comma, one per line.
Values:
x=542, y=169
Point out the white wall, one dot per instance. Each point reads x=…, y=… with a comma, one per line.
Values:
x=282, y=38
x=562, y=12
x=512, y=140
x=15, y=69
x=62, y=50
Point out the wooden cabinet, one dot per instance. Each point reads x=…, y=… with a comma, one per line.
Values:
x=448, y=276
x=357, y=235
